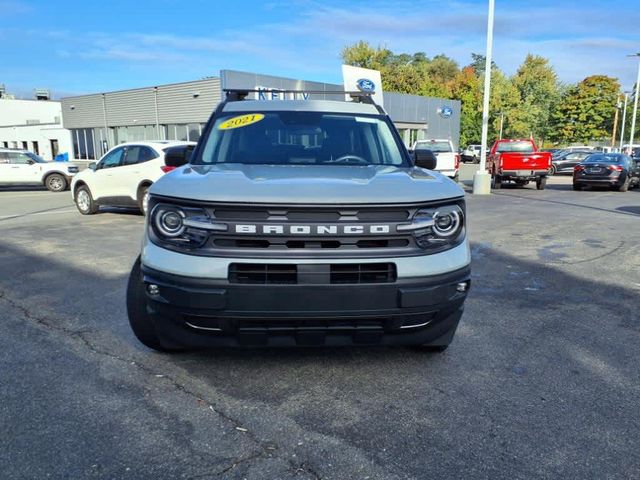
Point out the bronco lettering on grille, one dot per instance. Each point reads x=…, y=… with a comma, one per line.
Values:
x=313, y=229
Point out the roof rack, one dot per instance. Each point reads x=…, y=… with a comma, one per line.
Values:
x=239, y=94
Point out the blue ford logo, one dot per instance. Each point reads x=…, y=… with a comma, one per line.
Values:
x=366, y=85
x=445, y=112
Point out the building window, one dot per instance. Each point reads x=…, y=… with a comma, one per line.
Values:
x=25, y=146
x=36, y=148
x=83, y=144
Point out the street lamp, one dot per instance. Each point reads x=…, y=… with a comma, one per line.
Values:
x=635, y=102
x=481, y=179
x=624, y=118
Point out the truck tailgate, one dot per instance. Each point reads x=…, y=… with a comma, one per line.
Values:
x=525, y=161
x=446, y=161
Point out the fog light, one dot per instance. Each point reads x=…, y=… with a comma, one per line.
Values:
x=462, y=287
x=153, y=289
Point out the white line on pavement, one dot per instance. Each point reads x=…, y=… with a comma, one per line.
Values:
x=22, y=215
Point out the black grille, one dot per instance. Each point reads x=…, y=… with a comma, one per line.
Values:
x=258, y=273
x=352, y=273
x=363, y=273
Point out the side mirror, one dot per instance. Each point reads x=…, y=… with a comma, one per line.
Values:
x=93, y=166
x=424, y=159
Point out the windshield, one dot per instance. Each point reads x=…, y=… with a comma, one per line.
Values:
x=435, y=146
x=301, y=138
x=35, y=157
x=599, y=158
x=524, y=147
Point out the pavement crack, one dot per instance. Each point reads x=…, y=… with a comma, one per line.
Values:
x=219, y=472
x=83, y=336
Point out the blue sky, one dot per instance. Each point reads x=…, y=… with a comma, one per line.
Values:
x=83, y=47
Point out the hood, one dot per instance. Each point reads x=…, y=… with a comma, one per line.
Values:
x=305, y=184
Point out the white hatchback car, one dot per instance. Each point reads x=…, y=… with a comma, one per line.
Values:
x=21, y=167
x=122, y=177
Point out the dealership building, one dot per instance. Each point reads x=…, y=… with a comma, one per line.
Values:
x=179, y=111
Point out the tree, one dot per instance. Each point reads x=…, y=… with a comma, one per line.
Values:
x=466, y=87
x=586, y=111
x=537, y=85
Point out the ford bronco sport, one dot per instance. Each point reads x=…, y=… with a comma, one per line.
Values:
x=301, y=222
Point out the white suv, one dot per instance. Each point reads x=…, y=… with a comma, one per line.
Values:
x=21, y=167
x=448, y=159
x=122, y=177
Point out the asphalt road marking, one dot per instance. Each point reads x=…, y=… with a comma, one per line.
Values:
x=31, y=214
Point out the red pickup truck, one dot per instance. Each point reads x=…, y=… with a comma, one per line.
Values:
x=518, y=161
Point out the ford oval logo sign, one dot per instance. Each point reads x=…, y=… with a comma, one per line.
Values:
x=366, y=85
x=445, y=112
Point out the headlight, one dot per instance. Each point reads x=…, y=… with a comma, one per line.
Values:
x=182, y=227
x=437, y=228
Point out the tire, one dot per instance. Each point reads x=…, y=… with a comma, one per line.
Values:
x=553, y=170
x=456, y=178
x=475, y=159
x=84, y=201
x=143, y=198
x=496, y=182
x=541, y=183
x=625, y=185
x=139, y=319
x=577, y=187
x=55, y=182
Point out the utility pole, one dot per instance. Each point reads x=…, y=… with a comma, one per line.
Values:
x=624, y=119
x=481, y=179
x=615, y=122
x=635, y=103
x=501, y=124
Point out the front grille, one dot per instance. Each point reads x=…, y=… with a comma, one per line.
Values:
x=363, y=273
x=257, y=273
x=339, y=273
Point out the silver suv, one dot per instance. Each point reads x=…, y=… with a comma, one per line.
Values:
x=301, y=223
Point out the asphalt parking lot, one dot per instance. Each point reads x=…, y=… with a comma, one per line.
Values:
x=542, y=380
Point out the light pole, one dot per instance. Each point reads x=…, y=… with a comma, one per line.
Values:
x=501, y=125
x=624, y=119
x=635, y=103
x=481, y=179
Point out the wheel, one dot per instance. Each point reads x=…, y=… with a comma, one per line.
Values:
x=139, y=319
x=625, y=185
x=541, y=183
x=55, y=183
x=577, y=186
x=496, y=182
x=553, y=170
x=476, y=159
x=84, y=201
x=143, y=199
x=456, y=178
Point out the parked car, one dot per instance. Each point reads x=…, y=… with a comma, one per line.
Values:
x=471, y=154
x=574, y=148
x=518, y=161
x=552, y=151
x=122, y=177
x=614, y=170
x=263, y=241
x=565, y=162
x=448, y=159
x=21, y=167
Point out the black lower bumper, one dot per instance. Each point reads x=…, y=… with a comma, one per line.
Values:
x=193, y=313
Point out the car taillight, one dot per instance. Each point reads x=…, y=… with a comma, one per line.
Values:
x=578, y=168
x=167, y=168
x=615, y=168
x=457, y=164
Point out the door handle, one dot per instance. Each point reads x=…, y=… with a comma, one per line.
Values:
x=15, y=167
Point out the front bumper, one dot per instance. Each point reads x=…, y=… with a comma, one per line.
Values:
x=195, y=312
x=523, y=174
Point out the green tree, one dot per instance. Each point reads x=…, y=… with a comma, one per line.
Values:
x=537, y=85
x=587, y=110
x=466, y=87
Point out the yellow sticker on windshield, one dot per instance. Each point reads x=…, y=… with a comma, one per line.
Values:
x=241, y=121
